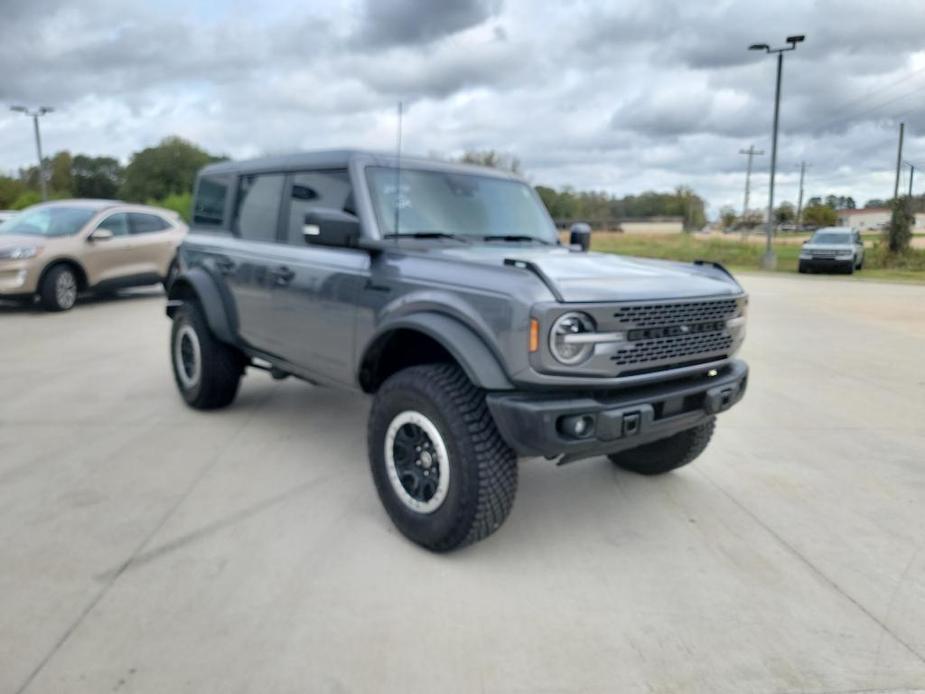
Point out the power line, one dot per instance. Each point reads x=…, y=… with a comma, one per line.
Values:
x=885, y=87
x=875, y=107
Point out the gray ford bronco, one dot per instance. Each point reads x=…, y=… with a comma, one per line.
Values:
x=443, y=291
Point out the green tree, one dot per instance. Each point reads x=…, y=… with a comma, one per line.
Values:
x=26, y=199
x=156, y=172
x=819, y=215
x=876, y=202
x=96, y=177
x=10, y=190
x=489, y=157
x=785, y=213
x=58, y=170
x=899, y=232
x=727, y=217
x=181, y=203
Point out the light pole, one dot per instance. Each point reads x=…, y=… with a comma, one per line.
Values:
x=769, y=260
x=36, y=114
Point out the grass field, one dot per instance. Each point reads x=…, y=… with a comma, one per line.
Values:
x=737, y=254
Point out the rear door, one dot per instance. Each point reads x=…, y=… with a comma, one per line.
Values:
x=152, y=243
x=110, y=260
x=246, y=263
x=315, y=314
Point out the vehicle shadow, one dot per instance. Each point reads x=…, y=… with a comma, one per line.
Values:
x=26, y=306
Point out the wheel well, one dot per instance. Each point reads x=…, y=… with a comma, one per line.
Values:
x=73, y=264
x=181, y=290
x=398, y=350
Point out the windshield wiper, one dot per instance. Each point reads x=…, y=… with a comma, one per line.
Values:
x=428, y=235
x=515, y=237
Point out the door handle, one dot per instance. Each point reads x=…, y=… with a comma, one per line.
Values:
x=226, y=266
x=282, y=275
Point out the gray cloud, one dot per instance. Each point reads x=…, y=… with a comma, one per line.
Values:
x=404, y=22
x=614, y=96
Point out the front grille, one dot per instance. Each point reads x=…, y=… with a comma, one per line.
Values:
x=655, y=315
x=824, y=254
x=673, y=349
x=672, y=334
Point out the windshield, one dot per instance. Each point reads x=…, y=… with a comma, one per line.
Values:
x=460, y=205
x=48, y=221
x=832, y=237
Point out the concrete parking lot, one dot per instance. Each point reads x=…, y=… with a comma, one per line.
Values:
x=149, y=548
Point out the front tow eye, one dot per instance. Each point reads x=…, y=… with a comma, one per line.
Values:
x=631, y=424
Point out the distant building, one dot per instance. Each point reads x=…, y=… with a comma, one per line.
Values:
x=866, y=219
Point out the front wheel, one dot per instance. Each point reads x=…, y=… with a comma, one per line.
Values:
x=442, y=470
x=58, y=291
x=663, y=456
x=207, y=371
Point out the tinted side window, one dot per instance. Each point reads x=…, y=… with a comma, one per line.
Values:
x=310, y=189
x=211, y=194
x=116, y=223
x=146, y=223
x=257, y=209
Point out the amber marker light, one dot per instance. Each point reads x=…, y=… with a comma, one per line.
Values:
x=534, y=335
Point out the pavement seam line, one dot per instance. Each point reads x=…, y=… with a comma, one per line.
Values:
x=115, y=575
x=816, y=570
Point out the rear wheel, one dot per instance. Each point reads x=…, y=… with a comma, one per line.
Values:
x=663, y=456
x=206, y=370
x=58, y=291
x=442, y=471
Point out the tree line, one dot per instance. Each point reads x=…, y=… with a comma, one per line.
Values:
x=161, y=175
x=164, y=175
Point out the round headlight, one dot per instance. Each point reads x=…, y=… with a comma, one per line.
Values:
x=562, y=342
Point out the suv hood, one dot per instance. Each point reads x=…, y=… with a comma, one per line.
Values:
x=591, y=277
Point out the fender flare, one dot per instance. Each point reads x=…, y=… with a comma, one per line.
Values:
x=197, y=283
x=468, y=349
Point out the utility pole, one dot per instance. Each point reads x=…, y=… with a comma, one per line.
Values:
x=35, y=115
x=911, y=174
x=769, y=260
x=751, y=152
x=800, y=198
x=899, y=160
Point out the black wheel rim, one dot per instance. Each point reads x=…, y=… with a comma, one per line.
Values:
x=416, y=462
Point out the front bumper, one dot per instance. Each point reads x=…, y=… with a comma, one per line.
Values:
x=826, y=263
x=537, y=424
x=17, y=278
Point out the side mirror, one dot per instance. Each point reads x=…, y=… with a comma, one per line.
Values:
x=329, y=227
x=580, y=235
x=100, y=235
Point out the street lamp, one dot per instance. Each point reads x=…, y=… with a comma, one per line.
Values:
x=769, y=260
x=35, y=115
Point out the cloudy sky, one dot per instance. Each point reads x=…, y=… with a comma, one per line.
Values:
x=621, y=96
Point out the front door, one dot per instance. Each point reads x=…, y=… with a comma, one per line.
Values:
x=109, y=261
x=315, y=313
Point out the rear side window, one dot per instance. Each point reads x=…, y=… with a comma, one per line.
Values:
x=211, y=195
x=257, y=208
x=146, y=223
x=330, y=189
x=116, y=223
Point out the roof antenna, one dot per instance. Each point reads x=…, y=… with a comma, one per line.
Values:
x=398, y=176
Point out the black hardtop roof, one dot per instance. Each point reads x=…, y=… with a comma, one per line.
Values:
x=340, y=159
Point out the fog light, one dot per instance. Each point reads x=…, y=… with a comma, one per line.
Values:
x=577, y=426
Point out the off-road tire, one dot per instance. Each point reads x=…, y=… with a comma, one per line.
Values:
x=482, y=468
x=49, y=296
x=220, y=365
x=663, y=456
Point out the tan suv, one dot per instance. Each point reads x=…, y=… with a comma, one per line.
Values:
x=57, y=249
